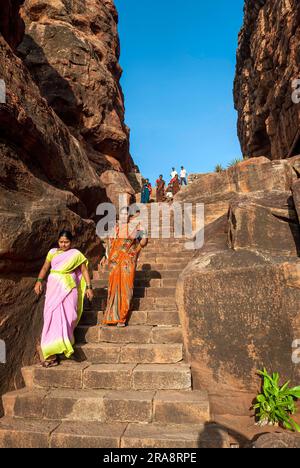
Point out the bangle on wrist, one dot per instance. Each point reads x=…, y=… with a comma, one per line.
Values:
x=89, y=287
x=39, y=280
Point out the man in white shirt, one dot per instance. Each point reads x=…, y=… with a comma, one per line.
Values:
x=183, y=176
x=173, y=173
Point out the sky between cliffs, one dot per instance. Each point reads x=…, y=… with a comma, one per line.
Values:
x=179, y=61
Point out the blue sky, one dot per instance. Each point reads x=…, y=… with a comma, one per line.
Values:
x=178, y=61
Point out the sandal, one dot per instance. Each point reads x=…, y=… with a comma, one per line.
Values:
x=121, y=325
x=50, y=363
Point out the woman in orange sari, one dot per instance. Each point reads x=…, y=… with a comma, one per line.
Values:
x=122, y=254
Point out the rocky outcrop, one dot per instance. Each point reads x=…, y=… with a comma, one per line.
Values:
x=63, y=149
x=267, y=64
x=72, y=51
x=239, y=297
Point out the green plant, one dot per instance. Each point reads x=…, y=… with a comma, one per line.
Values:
x=234, y=162
x=276, y=403
x=219, y=168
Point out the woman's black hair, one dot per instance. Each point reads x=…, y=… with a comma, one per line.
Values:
x=67, y=234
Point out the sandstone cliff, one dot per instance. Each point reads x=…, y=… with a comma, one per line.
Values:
x=268, y=62
x=239, y=298
x=64, y=147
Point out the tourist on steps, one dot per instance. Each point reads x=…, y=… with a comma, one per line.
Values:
x=175, y=185
x=173, y=173
x=146, y=192
x=67, y=284
x=183, y=176
x=122, y=254
x=160, y=189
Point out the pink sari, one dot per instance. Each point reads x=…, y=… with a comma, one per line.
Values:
x=64, y=302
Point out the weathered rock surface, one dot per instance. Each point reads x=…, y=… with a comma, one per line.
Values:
x=277, y=441
x=267, y=63
x=239, y=298
x=72, y=51
x=63, y=148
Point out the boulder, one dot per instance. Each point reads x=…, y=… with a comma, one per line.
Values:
x=239, y=297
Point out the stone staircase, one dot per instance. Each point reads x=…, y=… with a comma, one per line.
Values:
x=132, y=387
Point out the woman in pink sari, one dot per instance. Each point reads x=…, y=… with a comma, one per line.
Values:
x=66, y=286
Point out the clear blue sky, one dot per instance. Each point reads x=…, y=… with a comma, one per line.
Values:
x=178, y=60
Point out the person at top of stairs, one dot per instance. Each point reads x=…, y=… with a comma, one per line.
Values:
x=122, y=255
x=67, y=283
x=146, y=192
x=160, y=189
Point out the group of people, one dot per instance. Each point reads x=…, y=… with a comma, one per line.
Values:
x=163, y=192
x=68, y=279
x=68, y=282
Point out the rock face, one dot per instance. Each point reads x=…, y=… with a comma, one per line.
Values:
x=72, y=51
x=63, y=148
x=277, y=441
x=239, y=298
x=267, y=64
x=11, y=24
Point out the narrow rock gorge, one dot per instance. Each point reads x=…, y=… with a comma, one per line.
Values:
x=64, y=147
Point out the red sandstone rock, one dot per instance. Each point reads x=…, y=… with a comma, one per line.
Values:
x=62, y=130
x=11, y=24
x=239, y=297
x=72, y=51
x=267, y=63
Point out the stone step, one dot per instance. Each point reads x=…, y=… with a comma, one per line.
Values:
x=160, y=436
x=134, y=353
x=158, y=267
x=141, y=275
x=152, y=253
x=106, y=406
x=142, y=303
x=110, y=376
x=131, y=334
x=20, y=433
x=141, y=283
x=137, y=317
x=153, y=292
x=166, y=248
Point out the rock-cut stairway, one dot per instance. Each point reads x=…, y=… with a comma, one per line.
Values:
x=132, y=387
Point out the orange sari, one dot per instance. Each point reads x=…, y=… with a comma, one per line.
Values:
x=122, y=259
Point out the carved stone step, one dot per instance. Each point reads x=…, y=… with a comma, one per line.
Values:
x=142, y=274
x=110, y=376
x=137, y=317
x=166, y=407
x=107, y=353
x=142, y=303
x=27, y=433
x=130, y=334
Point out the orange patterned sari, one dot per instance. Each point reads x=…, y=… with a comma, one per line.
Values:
x=122, y=259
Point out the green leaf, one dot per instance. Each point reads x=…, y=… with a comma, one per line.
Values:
x=295, y=392
x=261, y=398
x=284, y=387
